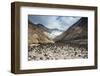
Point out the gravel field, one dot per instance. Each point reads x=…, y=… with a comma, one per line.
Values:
x=56, y=51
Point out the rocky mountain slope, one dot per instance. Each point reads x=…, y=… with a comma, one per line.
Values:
x=37, y=33
x=77, y=33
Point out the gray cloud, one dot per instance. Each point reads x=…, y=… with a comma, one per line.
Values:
x=59, y=22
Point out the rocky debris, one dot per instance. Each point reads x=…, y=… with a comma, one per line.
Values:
x=56, y=51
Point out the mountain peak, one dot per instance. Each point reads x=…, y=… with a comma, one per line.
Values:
x=40, y=25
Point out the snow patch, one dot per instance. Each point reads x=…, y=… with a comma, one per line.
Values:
x=53, y=34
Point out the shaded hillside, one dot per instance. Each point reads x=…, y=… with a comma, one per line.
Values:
x=37, y=33
x=39, y=26
x=77, y=33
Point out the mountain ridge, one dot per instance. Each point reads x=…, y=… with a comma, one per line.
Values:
x=37, y=34
x=77, y=31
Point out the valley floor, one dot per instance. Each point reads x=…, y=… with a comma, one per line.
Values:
x=56, y=51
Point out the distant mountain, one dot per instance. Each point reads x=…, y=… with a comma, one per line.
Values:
x=37, y=33
x=43, y=28
x=77, y=33
x=55, y=29
x=54, y=32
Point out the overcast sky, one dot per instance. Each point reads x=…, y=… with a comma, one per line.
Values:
x=59, y=22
